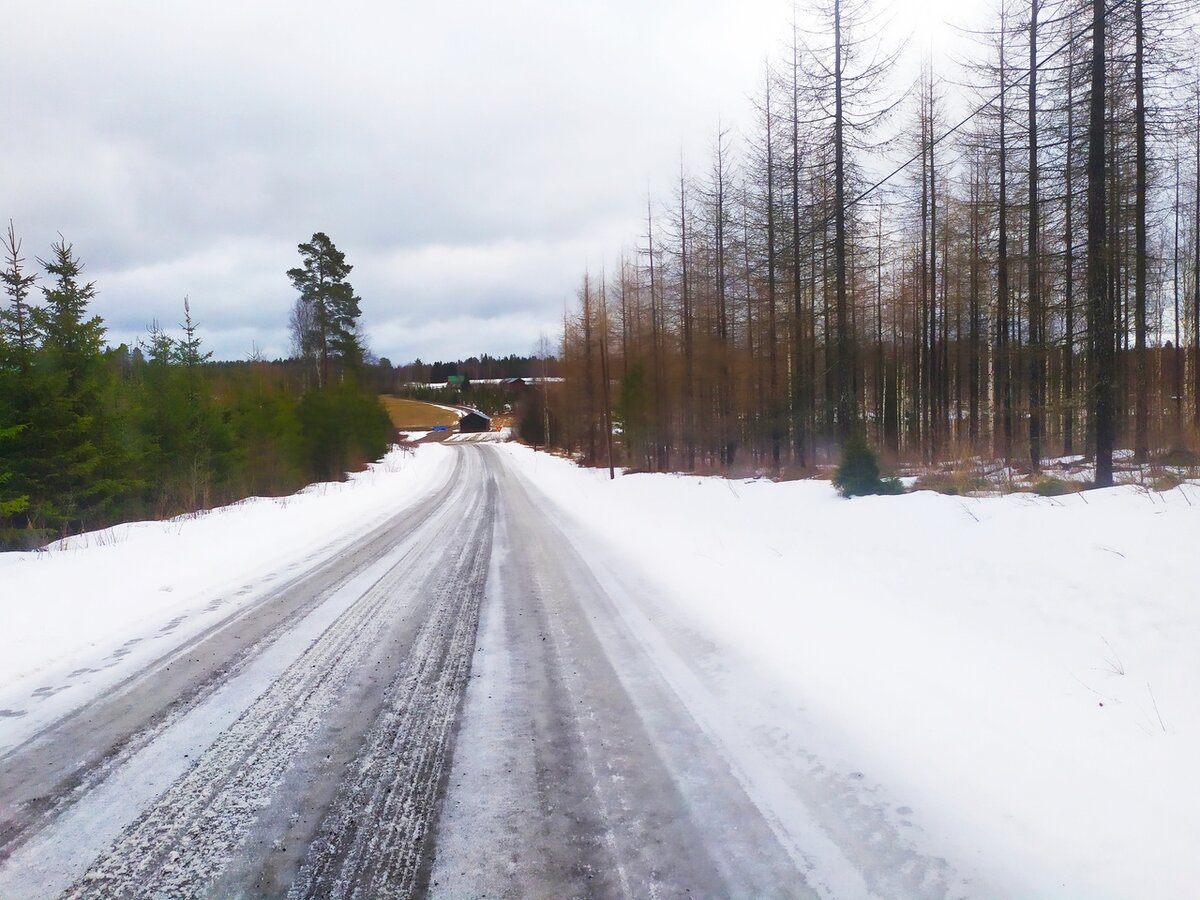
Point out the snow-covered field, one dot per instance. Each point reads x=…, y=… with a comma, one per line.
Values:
x=1017, y=677
x=1022, y=673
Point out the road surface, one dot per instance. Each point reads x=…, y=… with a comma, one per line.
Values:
x=469, y=703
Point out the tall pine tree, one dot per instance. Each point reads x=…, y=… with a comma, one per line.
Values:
x=327, y=311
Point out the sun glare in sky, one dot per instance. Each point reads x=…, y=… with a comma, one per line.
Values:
x=931, y=22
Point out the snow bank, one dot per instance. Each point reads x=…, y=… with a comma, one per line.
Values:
x=83, y=613
x=1020, y=672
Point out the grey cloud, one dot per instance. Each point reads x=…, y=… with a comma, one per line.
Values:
x=470, y=158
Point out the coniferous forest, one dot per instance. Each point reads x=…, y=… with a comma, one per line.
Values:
x=1000, y=260
x=92, y=434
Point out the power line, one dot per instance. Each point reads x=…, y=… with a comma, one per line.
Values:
x=971, y=115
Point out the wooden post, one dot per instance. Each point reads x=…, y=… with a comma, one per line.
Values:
x=604, y=375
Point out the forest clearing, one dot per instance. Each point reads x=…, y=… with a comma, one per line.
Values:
x=413, y=415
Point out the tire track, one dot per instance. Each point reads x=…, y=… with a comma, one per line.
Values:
x=181, y=843
x=374, y=843
x=42, y=778
x=579, y=772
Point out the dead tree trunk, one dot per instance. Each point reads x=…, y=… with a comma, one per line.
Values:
x=1141, y=439
x=1100, y=295
x=1036, y=364
x=1003, y=380
x=844, y=367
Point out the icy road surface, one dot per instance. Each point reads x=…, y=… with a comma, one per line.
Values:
x=468, y=702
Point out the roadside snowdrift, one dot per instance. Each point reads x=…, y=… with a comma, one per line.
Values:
x=1019, y=672
x=81, y=614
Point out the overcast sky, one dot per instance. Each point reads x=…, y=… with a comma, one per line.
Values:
x=470, y=158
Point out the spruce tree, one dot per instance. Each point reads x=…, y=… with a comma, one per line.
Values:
x=161, y=414
x=858, y=473
x=19, y=393
x=206, y=439
x=18, y=332
x=72, y=340
x=77, y=462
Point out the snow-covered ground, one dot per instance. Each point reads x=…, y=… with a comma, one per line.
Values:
x=82, y=614
x=1015, y=676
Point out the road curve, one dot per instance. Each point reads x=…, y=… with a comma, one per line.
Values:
x=462, y=705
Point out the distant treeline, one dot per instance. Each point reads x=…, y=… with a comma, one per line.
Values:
x=91, y=435
x=474, y=369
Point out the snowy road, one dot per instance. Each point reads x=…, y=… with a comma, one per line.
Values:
x=469, y=702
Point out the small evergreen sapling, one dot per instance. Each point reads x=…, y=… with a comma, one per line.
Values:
x=858, y=473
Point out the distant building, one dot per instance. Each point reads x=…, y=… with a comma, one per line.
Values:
x=474, y=421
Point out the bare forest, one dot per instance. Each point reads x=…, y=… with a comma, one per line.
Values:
x=1000, y=260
